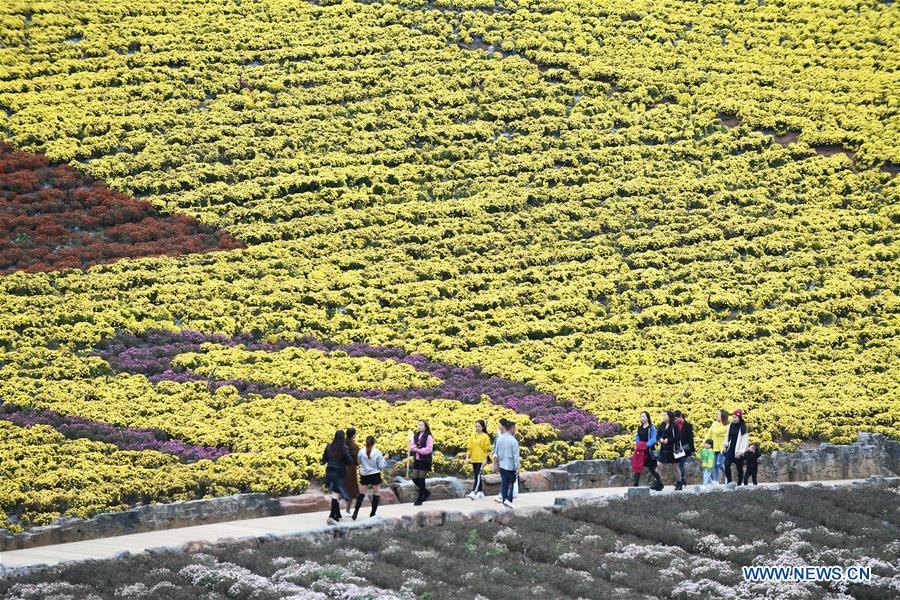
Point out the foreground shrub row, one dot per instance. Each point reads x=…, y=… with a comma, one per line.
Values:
x=683, y=547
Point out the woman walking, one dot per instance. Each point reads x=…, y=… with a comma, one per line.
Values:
x=371, y=463
x=478, y=454
x=736, y=443
x=646, y=434
x=336, y=458
x=421, y=448
x=717, y=432
x=669, y=437
x=352, y=469
x=686, y=430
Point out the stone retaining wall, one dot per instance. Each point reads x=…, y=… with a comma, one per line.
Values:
x=151, y=517
x=871, y=455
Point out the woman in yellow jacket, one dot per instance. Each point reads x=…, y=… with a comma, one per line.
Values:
x=478, y=454
x=717, y=432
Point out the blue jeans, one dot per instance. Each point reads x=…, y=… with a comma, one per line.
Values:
x=707, y=476
x=507, y=479
x=718, y=465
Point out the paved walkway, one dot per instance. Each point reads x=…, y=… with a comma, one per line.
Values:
x=283, y=525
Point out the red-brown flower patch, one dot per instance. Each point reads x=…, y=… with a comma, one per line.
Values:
x=54, y=217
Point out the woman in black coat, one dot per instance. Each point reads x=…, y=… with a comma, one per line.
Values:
x=736, y=442
x=336, y=458
x=669, y=437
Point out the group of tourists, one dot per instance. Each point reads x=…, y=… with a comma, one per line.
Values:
x=343, y=458
x=672, y=442
x=348, y=467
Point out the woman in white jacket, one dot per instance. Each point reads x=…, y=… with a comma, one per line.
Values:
x=736, y=442
x=371, y=463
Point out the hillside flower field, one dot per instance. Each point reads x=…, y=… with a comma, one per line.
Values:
x=229, y=228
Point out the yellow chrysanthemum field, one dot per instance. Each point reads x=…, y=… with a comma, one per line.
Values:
x=228, y=228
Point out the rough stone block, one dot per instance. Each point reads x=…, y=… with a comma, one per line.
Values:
x=545, y=480
x=634, y=492
x=196, y=546
x=429, y=518
x=484, y=515
x=530, y=511
x=304, y=503
x=454, y=516
x=441, y=488
x=491, y=484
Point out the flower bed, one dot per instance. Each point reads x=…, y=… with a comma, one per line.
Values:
x=123, y=438
x=160, y=355
x=55, y=217
x=561, y=213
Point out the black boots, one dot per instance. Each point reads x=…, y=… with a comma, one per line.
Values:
x=359, y=501
x=679, y=485
x=655, y=485
x=418, y=484
x=335, y=514
x=423, y=493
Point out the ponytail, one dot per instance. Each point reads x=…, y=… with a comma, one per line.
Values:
x=370, y=443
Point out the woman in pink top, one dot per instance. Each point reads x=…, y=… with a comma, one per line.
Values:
x=420, y=449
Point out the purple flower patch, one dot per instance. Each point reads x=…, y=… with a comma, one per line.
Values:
x=151, y=353
x=124, y=438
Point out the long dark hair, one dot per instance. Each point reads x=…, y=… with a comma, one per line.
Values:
x=649, y=420
x=670, y=423
x=423, y=436
x=370, y=443
x=351, y=434
x=483, y=425
x=337, y=447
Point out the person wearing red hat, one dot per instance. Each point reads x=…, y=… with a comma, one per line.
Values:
x=736, y=443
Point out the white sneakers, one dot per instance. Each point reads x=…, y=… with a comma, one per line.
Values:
x=470, y=495
x=505, y=503
x=475, y=495
x=331, y=521
x=479, y=495
x=498, y=498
